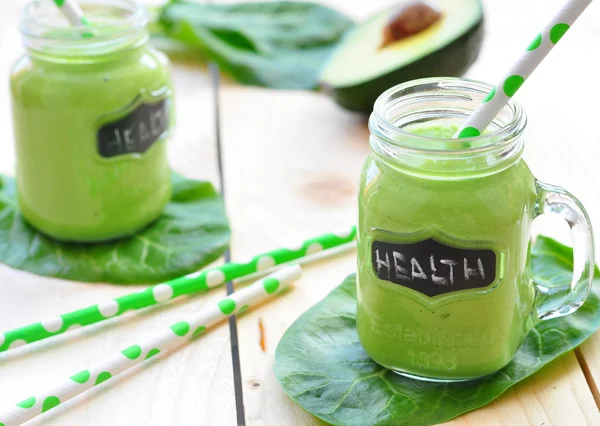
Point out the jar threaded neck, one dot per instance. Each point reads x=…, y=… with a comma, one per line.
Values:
x=116, y=25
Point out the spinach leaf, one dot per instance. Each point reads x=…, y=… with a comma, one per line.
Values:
x=321, y=365
x=192, y=232
x=279, y=44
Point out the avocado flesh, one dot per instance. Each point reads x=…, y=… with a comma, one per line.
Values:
x=361, y=70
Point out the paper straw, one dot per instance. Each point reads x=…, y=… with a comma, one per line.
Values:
x=73, y=12
x=537, y=50
x=161, y=293
x=175, y=335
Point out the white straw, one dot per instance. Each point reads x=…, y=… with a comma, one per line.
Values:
x=173, y=336
x=73, y=12
x=535, y=53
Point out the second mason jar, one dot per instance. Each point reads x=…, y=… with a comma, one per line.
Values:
x=92, y=112
x=445, y=290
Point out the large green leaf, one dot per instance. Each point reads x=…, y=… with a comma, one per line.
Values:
x=279, y=44
x=321, y=365
x=192, y=232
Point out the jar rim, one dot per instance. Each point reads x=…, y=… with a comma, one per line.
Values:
x=504, y=135
x=34, y=28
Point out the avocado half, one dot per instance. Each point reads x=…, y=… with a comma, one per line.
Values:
x=361, y=69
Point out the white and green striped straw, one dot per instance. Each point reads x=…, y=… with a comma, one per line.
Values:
x=73, y=12
x=535, y=53
x=194, y=283
x=176, y=335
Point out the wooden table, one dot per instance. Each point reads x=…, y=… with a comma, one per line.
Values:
x=290, y=165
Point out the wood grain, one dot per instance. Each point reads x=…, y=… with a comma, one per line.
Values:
x=194, y=385
x=292, y=162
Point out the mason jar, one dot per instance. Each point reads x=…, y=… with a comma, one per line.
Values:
x=92, y=111
x=445, y=289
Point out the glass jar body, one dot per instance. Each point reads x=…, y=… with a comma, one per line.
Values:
x=458, y=335
x=444, y=283
x=91, y=157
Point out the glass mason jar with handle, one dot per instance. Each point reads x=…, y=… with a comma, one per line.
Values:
x=444, y=282
x=92, y=111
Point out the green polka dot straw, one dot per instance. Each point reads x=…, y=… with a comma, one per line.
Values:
x=535, y=53
x=176, y=335
x=73, y=12
x=159, y=294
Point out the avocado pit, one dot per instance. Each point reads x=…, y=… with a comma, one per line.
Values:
x=408, y=20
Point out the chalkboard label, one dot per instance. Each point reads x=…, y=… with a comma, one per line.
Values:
x=432, y=268
x=135, y=132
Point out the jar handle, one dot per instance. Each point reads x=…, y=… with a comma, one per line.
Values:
x=553, y=302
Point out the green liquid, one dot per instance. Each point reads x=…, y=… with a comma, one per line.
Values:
x=459, y=335
x=66, y=189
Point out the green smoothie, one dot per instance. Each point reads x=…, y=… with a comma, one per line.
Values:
x=460, y=334
x=91, y=117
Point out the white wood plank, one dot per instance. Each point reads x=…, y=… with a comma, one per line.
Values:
x=292, y=166
x=318, y=147
x=193, y=386
x=558, y=395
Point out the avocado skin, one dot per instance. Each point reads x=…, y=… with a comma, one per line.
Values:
x=452, y=60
